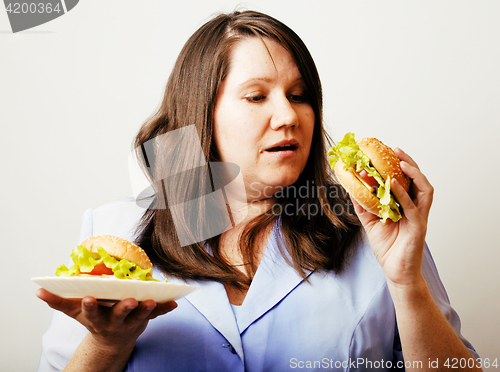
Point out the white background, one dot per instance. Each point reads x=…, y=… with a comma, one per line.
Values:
x=421, y=75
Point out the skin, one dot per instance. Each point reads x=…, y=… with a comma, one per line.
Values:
x=260, y=103
x=398, y=246
x=260, y=93
x=112, y=330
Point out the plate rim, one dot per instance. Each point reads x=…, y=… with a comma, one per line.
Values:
x=135, y=283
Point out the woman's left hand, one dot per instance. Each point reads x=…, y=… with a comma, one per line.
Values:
x=399, y=246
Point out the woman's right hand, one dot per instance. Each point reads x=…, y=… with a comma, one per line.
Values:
x=118, y=326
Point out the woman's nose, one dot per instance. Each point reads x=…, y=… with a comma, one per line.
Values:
x=284, y=114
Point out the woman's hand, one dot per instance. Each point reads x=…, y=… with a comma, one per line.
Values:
x=424, y=331
x=399, y=246
x=112, y=330
x=117, y=326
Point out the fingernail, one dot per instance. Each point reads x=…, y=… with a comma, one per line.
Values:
x=89, y=304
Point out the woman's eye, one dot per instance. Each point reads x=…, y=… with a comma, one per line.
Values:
x=297, y=98
x=255, y=98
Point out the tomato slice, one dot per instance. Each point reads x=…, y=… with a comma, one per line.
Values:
x=101, y=269
x=370, y=181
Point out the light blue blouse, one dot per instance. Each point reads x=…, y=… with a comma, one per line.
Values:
x=331, y=322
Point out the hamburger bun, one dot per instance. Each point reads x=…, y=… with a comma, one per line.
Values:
x=355, y=187
x=382, y=158
x=120, y=249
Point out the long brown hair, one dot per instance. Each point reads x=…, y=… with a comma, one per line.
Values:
x=322, y=227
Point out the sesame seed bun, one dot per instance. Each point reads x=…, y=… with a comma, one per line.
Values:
x=386, y=162
x=120, y=249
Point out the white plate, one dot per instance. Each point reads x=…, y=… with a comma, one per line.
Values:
x=113, y=289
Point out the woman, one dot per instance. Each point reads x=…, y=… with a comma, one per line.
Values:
x=293, y=282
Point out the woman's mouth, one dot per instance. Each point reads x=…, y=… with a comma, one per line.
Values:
x=287, y=147
x=284, y=149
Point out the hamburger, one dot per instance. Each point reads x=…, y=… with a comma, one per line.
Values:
x=108, y=257
x=365, y=169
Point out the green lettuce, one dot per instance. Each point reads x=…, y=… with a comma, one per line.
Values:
x=349, y=152
x=84, y=262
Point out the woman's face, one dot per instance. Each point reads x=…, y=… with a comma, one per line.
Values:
x=263, y=120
